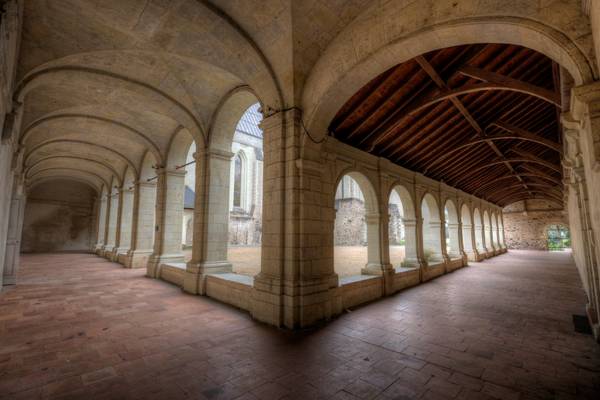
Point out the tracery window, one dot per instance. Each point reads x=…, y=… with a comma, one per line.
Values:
x=237, y=181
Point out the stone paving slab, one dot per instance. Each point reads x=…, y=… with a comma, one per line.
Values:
x=80, y=327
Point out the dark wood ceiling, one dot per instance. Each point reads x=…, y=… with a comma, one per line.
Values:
x=481, y=118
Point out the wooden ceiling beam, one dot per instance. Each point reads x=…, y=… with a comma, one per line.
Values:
x=482, y=188
x=493, y=77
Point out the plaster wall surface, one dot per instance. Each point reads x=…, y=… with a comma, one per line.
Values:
x=58, y=217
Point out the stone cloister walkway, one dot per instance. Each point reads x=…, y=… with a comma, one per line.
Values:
x=78, y=326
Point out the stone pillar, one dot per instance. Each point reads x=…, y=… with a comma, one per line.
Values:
x=411, y=255
x=591, y=264
x=15, y=228
x=102, y=225
x=468, y=242
x=169, y=215
x=297, y=285
x=111, y=231
x=211, y=219
x=375, y=245
x=454, y=236
x=125, y=225
x=432, y=241
x=143, y=225
x=487, y=239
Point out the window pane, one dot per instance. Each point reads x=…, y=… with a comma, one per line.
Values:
x=237, y=183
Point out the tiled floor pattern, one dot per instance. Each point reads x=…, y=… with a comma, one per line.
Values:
x=80, y=327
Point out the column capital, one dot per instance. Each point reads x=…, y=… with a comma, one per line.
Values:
x=171, y=172
x=213, y=153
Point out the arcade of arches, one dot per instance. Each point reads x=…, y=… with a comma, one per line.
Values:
x=388, y=144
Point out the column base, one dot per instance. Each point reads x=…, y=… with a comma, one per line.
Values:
x=376, y=269
x=9, y=280
x=303, y=305
x=136, y=258
x=119, y=253
x=195, y=274
x=154, y=263
x=470, y=255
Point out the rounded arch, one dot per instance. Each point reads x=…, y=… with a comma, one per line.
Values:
x=42, y=179
x=148, y=167
x=93, y=123
x=342, y=70
x=84, y=143
x=429, y=207
x=68, y=173
x=179, y=148
x=406, y=200
x=465, y=215
x=147, y=94
x=451, y=211
x=227, y=116
x=366, y=186
x=83, y=160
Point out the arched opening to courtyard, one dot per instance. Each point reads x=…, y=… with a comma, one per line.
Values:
x=356, y=227
x=432, y=230
x=558, y=237
x=402, y=229
x=452, y=230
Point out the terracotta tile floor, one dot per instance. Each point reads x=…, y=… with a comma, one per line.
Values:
x=78, y=326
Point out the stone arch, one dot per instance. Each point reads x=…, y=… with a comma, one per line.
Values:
x=73, y=159
x=371, y=219
x=408, y=222
x=431, y=229
x=68, y=173
x=148, y=167
x=452, y=229
x=179, y=148
x=227, y=115
x=412, y=29
x=96, y=146
x=39, y=180
x=159, y=99
x=92, y=123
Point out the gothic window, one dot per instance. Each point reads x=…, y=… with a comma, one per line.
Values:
x=237, y=181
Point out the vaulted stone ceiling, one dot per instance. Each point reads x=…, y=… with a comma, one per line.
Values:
x=482, y=118
x=104, y=82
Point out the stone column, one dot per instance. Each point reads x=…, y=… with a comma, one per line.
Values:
x=297, y=285
x=432, y=240
x=125, y=225
x=487, y=238
x=13, y=241
x=454, y=234
x=102, y=215
x=375, y=264
x=114, y=225
x=112, y=207
x=411, y=255
x=169, y=214
x=587, y=235
x=211, y=219
x=143, y=225
x=468, y=242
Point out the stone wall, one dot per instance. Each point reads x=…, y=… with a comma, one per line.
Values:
x=526, y=222
x=58, y=217
x=350, y=226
